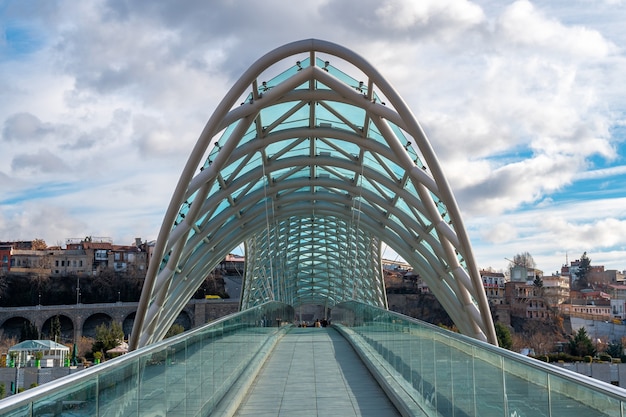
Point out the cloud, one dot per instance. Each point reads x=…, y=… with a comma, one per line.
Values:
x=83, y=142
x=5, y=182
x=25, y=127
x=52, y=223
x=43, y=161
x=523, y=25
x=596, y=233
x=499, y=233
x=550, y=232
x=602, y=173
x=520, y=102
x=154, y=139
x=426, y=17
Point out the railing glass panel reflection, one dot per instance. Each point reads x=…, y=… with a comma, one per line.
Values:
x=186, y=375
x=448, y=374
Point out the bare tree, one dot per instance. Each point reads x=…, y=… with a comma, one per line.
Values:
x=39, y=244
x=524, y=259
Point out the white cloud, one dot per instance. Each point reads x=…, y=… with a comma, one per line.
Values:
x=435, y=16
x=43, y=161
x=553, y=231
x=523, y=25
x=24, y=127
x=499, y=233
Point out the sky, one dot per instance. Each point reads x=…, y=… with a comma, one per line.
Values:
x=524, y=103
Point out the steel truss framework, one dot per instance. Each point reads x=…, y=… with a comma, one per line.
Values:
x=313, y=169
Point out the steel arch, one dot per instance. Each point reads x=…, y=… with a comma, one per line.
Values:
x=314, y=171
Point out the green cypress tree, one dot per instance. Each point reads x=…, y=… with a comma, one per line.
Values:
x=504, y=336
x=583, y=271
x=55, y=329
x=581, y=344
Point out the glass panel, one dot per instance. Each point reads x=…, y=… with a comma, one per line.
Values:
x=443, y=377
x=79, y=400
x=118, y=390
x=264, y=86
x=183, y=376
x=440, y=370
x=428, y=382
x=342, y=76
x=567, y=397
x=462, y=365
x=526, y=390
x=459, y=376
x=25, y=411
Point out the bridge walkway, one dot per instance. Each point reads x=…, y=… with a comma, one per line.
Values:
x=315, y=372
x=427, y=371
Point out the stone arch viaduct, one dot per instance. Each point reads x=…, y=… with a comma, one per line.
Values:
x=79, y=320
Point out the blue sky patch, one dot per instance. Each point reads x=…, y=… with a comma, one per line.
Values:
x=19, y=41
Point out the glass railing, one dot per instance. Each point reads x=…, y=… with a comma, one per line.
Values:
x=449, y=374
x=186, y=375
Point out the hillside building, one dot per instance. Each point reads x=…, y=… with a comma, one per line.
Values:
x=493, y=282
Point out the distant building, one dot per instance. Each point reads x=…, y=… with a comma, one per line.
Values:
x=556, y=289
x=589, y=312
x=81, y=257
x=590, y=297
x=526, y=300
x=618, y=300
x=603, y=278
x=572, y=269
x=493, y=282
x=523, y=274
x=27, y=261
x=5, y=257
x=396, y=265
x=7, y=251
x=588, y=304
x=233, y=264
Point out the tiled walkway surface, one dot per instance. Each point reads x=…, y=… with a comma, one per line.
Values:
x=315, y=372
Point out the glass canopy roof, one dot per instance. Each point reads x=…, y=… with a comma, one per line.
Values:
x=313, y=171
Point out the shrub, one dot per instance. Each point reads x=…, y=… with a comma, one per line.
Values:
x=560, y=357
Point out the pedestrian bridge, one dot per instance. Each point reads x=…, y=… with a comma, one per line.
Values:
x=314, y=166
x=369, y=362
